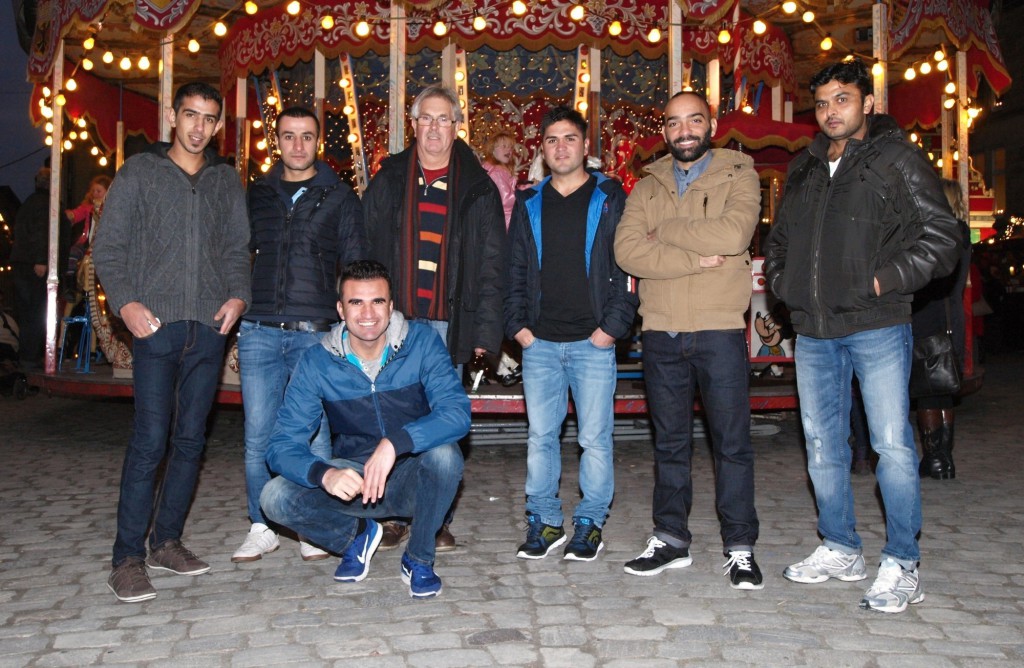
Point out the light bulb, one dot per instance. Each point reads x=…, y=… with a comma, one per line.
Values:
x=344, y=83
x=71, y=85
x=826, y=43
x=925, y=67
x=877, y=69
x=948, y=103
x=108, y=57
x=942, y=65
x=914, y=137
x=910, y=74
x=103, y=161
x=219, y=29
x=60, y=99
x=462, y=133
x=440, y=29
x=264, y=168
x=973, y=112
x=724, y=36
x=48, y=140
x=47, y=112
x=261, y=145
x=126, y=63
x=352, y=138
x=86, y=64
x=518, y=7
x=143, y=63
x=89, y=42
x=362, y=29
x=615, y=28
x=576, y=13
x=48, y=127
x=193, y=46
x=327, y=22
x=460, y=75
x=654, y=36
x=789, y=7
x=257, y=124
x=293, y=7
x=760, y=27
x=939, y=56
x=950, y=88
x=94, y=151
x=72, y=135
x=347, y=110
x=68, y=145
x=271, y=99
x=251, y=8
x=585, y=78
x=807, y=16
x=479, y=23
x=582, y=106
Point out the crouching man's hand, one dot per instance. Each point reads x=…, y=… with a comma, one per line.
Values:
x=342, y=483
x=376, y=471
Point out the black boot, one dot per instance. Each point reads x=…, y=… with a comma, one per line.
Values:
x=946, y=447
x=929, y=423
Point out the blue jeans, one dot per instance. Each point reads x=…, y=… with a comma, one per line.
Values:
x=824, y=371
x=716, y=361
x=549, y=370
x=420, y=486
x=267, y=357
x=177, y=370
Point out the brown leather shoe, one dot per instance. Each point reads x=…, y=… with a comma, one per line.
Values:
x=394, y=534
x=445, y=541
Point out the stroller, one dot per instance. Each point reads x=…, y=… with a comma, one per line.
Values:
x=12, y=381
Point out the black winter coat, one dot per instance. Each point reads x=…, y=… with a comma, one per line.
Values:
x=882, y=215
x=475, y=239
x=299, y=248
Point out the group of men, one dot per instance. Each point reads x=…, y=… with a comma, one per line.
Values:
x=360, y=422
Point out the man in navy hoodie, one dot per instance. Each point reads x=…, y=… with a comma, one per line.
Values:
x=396, y=411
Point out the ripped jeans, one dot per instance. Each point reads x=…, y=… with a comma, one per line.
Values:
x=824, y=370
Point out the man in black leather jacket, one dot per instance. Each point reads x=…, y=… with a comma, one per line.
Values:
x=863, y=224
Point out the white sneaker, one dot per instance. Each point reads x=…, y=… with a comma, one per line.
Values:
x=311, y=552
x=824, y=564
x=894, y=589
x=261, y=540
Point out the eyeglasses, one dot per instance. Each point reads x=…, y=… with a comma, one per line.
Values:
x=426, y=121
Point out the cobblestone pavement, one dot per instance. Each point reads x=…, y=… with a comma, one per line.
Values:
x=61, y=464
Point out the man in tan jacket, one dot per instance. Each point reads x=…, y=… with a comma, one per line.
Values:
x=684, y=234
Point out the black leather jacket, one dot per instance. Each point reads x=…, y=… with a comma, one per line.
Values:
x=882, y=216
x=300, y=247
x=475, y=241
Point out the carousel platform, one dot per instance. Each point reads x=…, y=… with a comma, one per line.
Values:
x=766, y=393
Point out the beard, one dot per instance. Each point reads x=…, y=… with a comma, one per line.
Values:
x=691, y=154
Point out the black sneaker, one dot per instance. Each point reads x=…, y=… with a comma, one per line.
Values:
x=743, y=571
x=586, y=541
x=540, y=539
x=657, y=557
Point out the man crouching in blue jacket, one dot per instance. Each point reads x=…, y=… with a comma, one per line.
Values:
x=396, y=410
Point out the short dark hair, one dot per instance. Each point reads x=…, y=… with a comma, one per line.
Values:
x=364, y=270
x=563, y=113
x=703, y=100
x=297, y=112
x=197, y=89
x=852, y=71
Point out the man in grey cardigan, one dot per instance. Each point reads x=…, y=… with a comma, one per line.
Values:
x=172, y=254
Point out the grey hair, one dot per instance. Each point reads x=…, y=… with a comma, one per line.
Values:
x=436, y=90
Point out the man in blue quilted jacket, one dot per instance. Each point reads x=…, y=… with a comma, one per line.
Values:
x=396, y=411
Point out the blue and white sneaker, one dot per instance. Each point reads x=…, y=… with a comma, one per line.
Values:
x=422, y=581
x=355, y=562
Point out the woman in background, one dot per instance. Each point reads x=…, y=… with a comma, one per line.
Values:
x=938, y=307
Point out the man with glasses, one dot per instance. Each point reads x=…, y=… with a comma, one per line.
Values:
x=434, y=218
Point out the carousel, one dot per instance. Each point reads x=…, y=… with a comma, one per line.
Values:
x=104, y=69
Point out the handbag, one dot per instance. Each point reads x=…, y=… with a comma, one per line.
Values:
x=934, y=368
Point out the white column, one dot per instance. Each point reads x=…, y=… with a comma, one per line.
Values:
x=166, y=92
x=241, y=127
x=56, y=216
x=396, y=80
x=962, y=143
x=319, y=94
x=594, y=102
x=880, y=50
x=777, y=100
x=714, y=90
x=675, y=48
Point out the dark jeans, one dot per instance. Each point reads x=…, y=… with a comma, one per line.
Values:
x=420, y=486
x=674, y=366
x=30, y=300
x=177, y=370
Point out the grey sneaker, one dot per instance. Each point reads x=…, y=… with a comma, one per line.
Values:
x=894, y=589
x=824, y=564
x=130, y=582
x=172, y=556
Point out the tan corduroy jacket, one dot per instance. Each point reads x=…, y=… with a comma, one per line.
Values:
x=661, y=238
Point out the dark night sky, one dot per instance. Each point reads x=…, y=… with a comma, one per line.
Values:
x=17, y=136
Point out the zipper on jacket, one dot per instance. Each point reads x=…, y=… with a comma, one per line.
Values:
x=705, y=206
x=282, y=258
x=816, y=266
